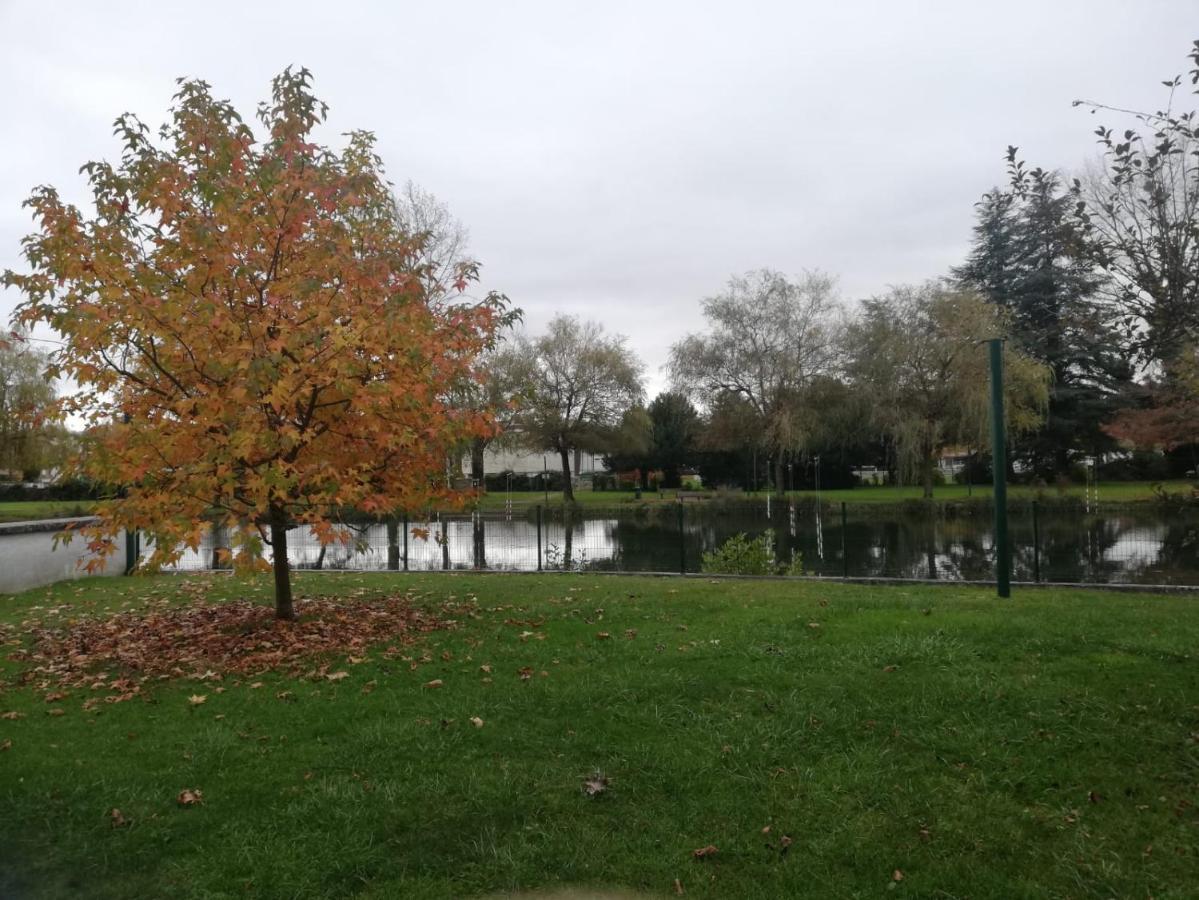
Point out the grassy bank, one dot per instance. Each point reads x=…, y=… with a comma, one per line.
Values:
x=827, y=740
x=21, y=510
x=1108, y=492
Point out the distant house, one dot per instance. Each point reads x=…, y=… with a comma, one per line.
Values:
x=525, y=462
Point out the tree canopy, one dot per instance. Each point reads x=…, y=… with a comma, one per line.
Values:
x=257, y=337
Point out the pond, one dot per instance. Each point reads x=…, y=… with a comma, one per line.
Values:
x=1141, y=544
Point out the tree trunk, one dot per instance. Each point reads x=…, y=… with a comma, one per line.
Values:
x=393, y=544
x=926, y=475
x=568, y=493
x=283, y=605
x=477, y=446
x=780, y=477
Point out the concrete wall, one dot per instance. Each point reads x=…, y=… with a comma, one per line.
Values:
x=29, y=559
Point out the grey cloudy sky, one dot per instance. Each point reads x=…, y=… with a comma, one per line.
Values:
x=621, y=160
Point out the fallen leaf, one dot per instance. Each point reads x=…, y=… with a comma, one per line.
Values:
x=476, y=721
x=116, y=819
x=602, y=636
x=197, y=699
x=12, y=715
x=337, y=676
x=525, y=673
x=56, y=711
x=705, y=852
x=55, y=696
x=897, y=875
x=678, y=885
x=595, y=784
x=890, y=668
x=814, y=625
x=6, y=744
x=190, y=797
x=435, y=683
x=256, y=685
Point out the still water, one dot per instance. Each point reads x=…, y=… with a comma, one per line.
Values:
x=1143, y=544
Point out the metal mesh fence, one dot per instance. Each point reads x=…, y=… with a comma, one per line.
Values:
x=1062, y=543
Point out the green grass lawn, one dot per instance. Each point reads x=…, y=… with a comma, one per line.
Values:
x=1109, y=491
x=20, y=510
x=906, y=741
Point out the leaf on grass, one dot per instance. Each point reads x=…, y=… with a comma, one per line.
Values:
x=815, y=626
x=190, y=797
x=435, y=683
x=897, y=875
x=116, y=819
x=5, y=744
x=705, y=852
x=525, y=673
x=890, y=668
x=12, y=715
x=55, y=696
x=56, y=711
x=678, y=885
x=602, y=636
x=197, y=699
x=595, y=783
x=476, y=721
x=485, y=669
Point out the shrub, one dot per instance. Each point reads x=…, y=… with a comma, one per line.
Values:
x=743, y=555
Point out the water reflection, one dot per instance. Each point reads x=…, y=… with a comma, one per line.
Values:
x=1130, y=545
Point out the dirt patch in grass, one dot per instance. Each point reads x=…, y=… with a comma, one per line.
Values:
x=212, y=640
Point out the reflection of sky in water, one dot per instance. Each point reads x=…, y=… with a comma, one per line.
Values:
x=1143, y=545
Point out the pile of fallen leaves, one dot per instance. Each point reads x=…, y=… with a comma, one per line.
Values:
x=208, y=640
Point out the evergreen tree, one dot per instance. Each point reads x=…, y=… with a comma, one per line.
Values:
x=1024, y=258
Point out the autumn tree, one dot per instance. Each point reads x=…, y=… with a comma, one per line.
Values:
x=255, y=334
x=579, y=382
x=916, y=353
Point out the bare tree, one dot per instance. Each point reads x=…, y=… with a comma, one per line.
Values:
x=769, y=337
x=579, y=383
x=444, y=253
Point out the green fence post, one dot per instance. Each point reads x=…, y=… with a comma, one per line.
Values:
x=682, y=543
x=1003, y=558
x=445, y=545
x=1036, y=543
x=406, y=542
x=131, y=548
x=844, y=550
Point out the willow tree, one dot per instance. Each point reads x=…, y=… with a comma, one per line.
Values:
x=916, y=352
x=254, y=332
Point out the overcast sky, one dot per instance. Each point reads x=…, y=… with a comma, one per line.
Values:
x=620, y=161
